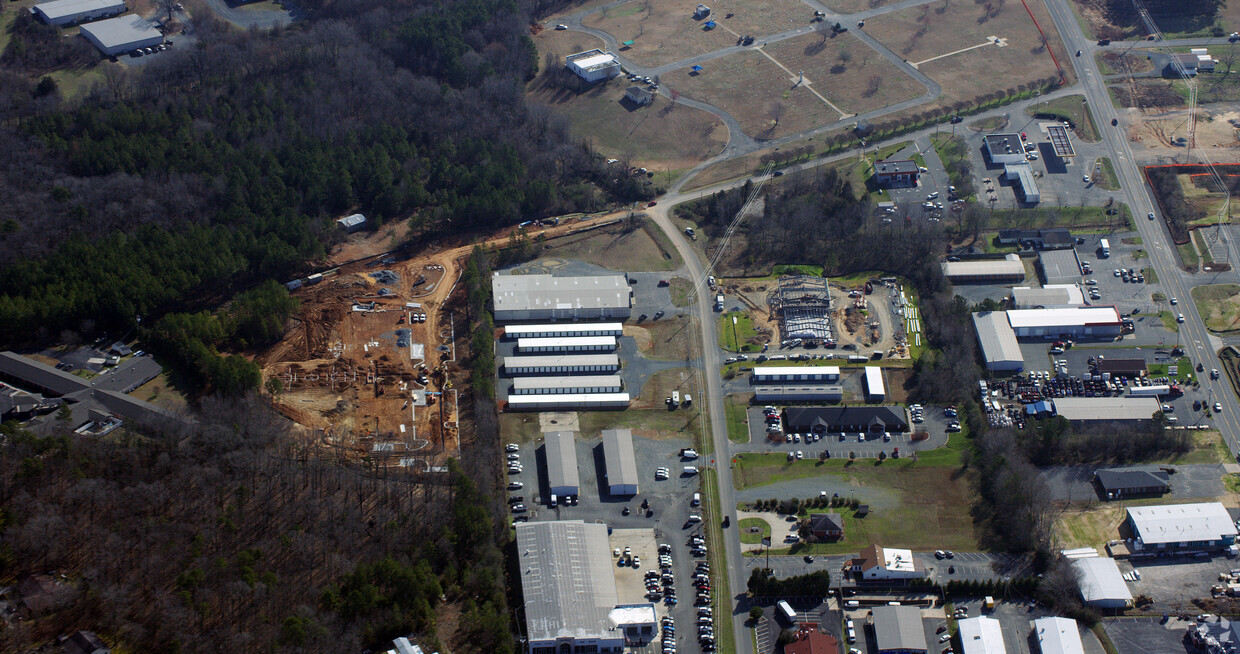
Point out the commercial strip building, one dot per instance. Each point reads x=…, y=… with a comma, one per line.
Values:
x=875, y=391
x=571, y=603
x=1205, y=525
x=1059, y=267
x=868, y=419
x=593, y=65
x=561, y=364
x=561, y=453
x=68, y=12
x=1081, y=410
x=1009, y=269
x=1101, y=584
x=568, y=344
x=998, y=341
x=1058, y=636
x=1051, y=296
x=1078, y=322
x=620, y=462
x=569, y=329
x=1004, y=149
x=1123, y=484
x=898, y=630
x=798, y=393
x=545, y=297
x=569, y=401
x=901, y=173
x=123, y=34
x=980, y=635
x=778, y=374
x=570, y=385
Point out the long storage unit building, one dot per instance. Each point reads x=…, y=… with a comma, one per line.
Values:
x=777, y=374
x=570, y=401
x=810, y=393
x=874, y=389
x=568, y=344
x=567, y=329
x=567, y=385
x=562, y=364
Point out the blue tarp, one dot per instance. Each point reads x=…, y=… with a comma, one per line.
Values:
x=696, y=69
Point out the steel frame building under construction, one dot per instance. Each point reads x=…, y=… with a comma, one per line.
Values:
x=803, y=305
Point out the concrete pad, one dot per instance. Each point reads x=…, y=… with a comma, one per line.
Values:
x=558, y=421
x=630, y=584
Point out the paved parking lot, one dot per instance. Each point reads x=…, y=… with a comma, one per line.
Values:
x=1075, y=483
x=1174, y=582
x=1016, y=619
x=865, y=445
x=1146, y=635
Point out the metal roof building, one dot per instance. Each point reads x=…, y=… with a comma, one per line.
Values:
x=898, y=630
x=569, y=385
x=798, y=393
x=981, y=635
x=593, y=65
x=998, y=341
x=869, y=419
x=1059, y=267
x=1022, y=175
x=1051, y=296
x=1058, y=636
x=1103, y=322
x=34, y=375
x=67, y=12
x=568, y=586
x=1101, y=584
x=981, y=271
x=1107, y=409
x=568, y=344
x=874, y=389
x=768, y=374
x=561, y=452
x=569, y=401
x=567, y=329
x=1124, y=483
x=562, y=364
x=351, y=223
x=620, y=461
x=124, y=34
x=1181, y=526
x=544, y=297
x=1005, y=149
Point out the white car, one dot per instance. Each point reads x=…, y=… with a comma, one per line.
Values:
x=512, y=447
x=801, y=455
x=1179, y=317
x=1085, y=178
x=1174, y=301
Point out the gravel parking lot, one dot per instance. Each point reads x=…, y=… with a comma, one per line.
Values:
x=1174, y=582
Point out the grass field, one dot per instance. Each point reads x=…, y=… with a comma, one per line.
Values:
x=736, y=331
x=750, y=537
x=1189, y=256
x=1072, y=108
x=864, y=82
x=680, y=288
x=935, y=498
x=738, y=424
x=668, y=339
x=1072, y=217
x=1106, y=178
x=1206, y=257
x=617, y=247
x=1219, y=306
x=658, y=136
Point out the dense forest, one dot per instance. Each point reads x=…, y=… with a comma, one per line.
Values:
x=214, y=167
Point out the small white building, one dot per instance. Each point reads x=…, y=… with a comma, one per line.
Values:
x=1021, y=176
x=561, y=451
x=68, y=12
x=1101, y=584
x=1058, y=636
x=701, y=11
x=981, y=635
x=593, y=65
x=1005, y=149
x=1202, y=525
x=1075, y=322
x=120, y=35
x=878, y=562
x=1051, y=296
x=568, y=401
x=620, y=462
x=352, y=223
x=638, y=96
x=874, y=389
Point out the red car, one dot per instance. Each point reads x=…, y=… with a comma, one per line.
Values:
x=1023, y=136
x=652, y=203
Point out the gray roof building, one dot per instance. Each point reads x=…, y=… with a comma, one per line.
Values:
x=544, y=297
x=26, y=372
x=67, y=12
x=562, y=475
x=123, y=34
x=898, y=629
x=1101, y=583
x=1107, y=409
x=978, y=271
x=998, y=341
x=621, y=462
x=1059, y=266
x=1119, y=484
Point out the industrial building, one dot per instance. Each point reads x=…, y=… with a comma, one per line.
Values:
x=1059, y=267
x=120, y=35
x=545, y=297
x=1004, y=149
x=68, y=12
x=570, y=591
x=561, y=453
x=1051, y=296
x=777, y=374
x=998, y=342
x=1101, y=584
x=980, y=635
x=1080, y=410
x=901, y=173
x=1058, y=636
x=1123, y=484
x=568, y=344
x=562, y=364
x=1205, y=525
x=874, y=389
x=798, y=393
x=573, y=401
x=885, y=563
x=620, y=462
x=566, y=330
x=1056, y=238
x=593, y=65
x=985, y=271
x=898, y=630
x=1077, y=323
x=1021, y=176
x=872, y=420
x=569, y=385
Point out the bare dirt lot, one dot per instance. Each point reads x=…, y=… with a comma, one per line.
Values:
x=1161, y=130
x=660, y=135
x=849, y=73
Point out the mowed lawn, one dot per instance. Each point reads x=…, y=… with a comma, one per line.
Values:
x=921, y=33
x=662, y=32
x=1219, y=306
x=932, y=511
x=658, y=136
x=761, y=96
x=848, y=72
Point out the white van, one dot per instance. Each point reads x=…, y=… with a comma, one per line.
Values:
x=697, y=499
x=693, y=517
x=690, y=470
x=689, y=454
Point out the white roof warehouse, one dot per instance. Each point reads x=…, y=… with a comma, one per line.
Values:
x=544, y=297
x=119, y=35
x=67, y=12
x=1181, y=526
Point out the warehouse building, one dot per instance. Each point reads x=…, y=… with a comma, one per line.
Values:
x=777, y=374
x=1058, y=636
x=120, y=35
x=567, y=330
x=1204, y=525
x=68, y=12
x=1077, y=323
x=874, y=389
x=561, y=453
x=1123, y=484
x=593, y=65
x=562, y=364
x=570, y=385
x=544, y=297
x=620, y=462
x=980, y=635
x=1059, y=267
x=1082, y=410
x=898, y=630
x=1051, y=296
x=1005, y=149
x=569, y=401
x=798, y=393
x=872, y=420
x=998, y=342
x=568, y=344
x=985, y=271
x=1044, y=239
x=570, y=590
x=1101, y=584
